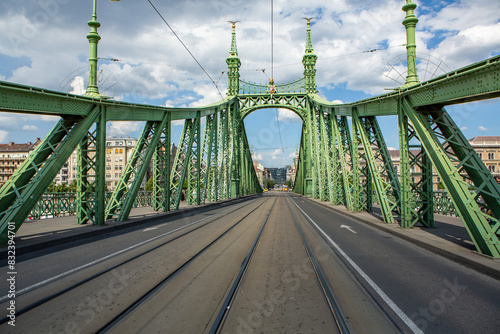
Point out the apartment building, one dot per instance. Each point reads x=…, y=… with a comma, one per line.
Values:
x=118, y=152
x=12, y=155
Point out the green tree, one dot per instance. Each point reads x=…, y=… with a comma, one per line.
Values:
x=149, y=185
x=73, y=186
x=270, y=184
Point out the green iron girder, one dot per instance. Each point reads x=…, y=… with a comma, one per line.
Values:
x=295, y=102
x=181, y=162
x=210, y=156
x=161, y=169
x=31, y=179
x=382, y=186
x=193, y=192
x=123, y=196
x=482, y=227
x=476, y=82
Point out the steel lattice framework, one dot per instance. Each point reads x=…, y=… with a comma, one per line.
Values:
x=342, y=164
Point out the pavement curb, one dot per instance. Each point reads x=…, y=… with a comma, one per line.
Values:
x=33, y=245
x=457, y=258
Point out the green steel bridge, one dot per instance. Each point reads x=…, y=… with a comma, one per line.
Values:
x=345, y=163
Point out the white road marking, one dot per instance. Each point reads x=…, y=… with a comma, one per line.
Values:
x=375, y=287
x=154, y=228
x=348, y=228
x=36, y=285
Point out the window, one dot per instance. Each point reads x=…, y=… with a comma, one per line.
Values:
x=116, y=151
x=121, y=167
x=116, y=174
x=491, y=156
x=480, y=156
x=121, y=150
x=116, y=167
x=108, y=151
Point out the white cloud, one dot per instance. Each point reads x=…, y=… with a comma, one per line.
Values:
x=30, y=128
x=77, y=86
x=3, y=136
x=464, y=128
x=482, y=128
x=286, y=115
x=257, y=157
x=121, y=129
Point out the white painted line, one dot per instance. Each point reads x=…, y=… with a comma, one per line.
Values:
x=154, y=228
x=36, y=285
x=375, y=287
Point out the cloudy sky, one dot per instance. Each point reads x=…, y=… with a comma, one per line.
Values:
x=43, y=43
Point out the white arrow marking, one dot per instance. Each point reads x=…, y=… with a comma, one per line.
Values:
x=348, y=228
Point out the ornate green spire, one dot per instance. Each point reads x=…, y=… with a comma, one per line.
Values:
x=309, y=62
x=233, y=64
x=309, y=43
x=410, y=22
x=93, y=37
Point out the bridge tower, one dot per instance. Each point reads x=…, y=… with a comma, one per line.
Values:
x=233, y=64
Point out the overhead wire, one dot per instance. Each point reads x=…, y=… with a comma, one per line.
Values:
x=187, y=49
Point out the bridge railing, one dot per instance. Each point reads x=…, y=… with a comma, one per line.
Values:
x=442, y=203
x=53, y=205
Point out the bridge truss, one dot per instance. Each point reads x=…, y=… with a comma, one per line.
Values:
x=344, y=163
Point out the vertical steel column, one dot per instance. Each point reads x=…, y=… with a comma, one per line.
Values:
x=388, y=172
x=416, y=182
x=344, y=153
x=366, y=179
x=193, y=160
x=210, y=159
x=181, y=164
x=381, y=186
x=236, y=149
x=162, y=168
x=100, y=176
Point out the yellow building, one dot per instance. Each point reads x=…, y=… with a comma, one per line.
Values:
x=118, y=152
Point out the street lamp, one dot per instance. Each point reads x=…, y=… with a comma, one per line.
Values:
x=93, y=37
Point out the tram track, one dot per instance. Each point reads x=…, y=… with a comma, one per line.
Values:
x=257, y=267
x=32, y=306
x=226, y=309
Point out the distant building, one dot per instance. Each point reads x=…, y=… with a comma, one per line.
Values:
x=12, y=155
x=488, y=149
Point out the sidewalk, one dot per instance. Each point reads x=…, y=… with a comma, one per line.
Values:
x=449, y=238
x=36, y=235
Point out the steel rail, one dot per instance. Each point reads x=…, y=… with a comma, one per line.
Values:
x=92, y=277
x=226, y=306
x=333, y=304
x=158, y=287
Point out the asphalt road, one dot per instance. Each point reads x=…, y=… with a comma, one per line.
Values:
x=188, y=265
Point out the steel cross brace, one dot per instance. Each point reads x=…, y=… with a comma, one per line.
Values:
x=22, y=193
x=482, y=227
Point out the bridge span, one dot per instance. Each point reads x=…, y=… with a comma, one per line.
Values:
x=274, y=263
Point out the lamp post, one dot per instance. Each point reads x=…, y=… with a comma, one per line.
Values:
x=93, y=37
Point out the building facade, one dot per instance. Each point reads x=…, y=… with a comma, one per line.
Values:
x=12, y=156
